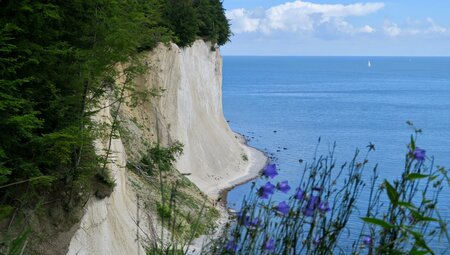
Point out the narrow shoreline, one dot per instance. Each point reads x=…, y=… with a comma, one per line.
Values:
x=257, y=161
x=255, y=169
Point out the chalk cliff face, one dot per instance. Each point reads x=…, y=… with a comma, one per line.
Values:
x=189, y=110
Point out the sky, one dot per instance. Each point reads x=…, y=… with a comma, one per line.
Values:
x=338, y=28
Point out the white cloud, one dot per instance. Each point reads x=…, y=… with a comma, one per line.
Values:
x=391, y=29
x=367, y=29
x=305, y=17
x=414, y=27
x=242, y=21
x=434, y=28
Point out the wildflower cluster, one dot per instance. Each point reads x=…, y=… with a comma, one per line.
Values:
x=311, y=219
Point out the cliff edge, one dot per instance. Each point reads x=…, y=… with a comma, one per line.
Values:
x=188, y=110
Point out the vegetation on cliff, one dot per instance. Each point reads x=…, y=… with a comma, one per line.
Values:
x=57, y=60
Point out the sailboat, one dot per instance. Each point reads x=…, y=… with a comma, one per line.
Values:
x=369, y=64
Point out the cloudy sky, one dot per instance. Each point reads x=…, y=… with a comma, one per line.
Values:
x=339, y=27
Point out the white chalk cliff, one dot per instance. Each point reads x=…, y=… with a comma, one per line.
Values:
x=190, y=111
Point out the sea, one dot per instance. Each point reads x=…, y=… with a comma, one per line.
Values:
x=283, y=105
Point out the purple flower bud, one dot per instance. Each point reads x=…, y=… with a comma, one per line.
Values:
x=324, y=207
x=283, y=208
x=300, y=195
x=311, y=206
x=269, y=245
x=367, y=240
x=270, y=170
x=231, y=246
x=266, y=190
x=283, y=186
x=419, y=154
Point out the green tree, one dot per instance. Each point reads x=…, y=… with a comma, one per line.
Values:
x=181, y=18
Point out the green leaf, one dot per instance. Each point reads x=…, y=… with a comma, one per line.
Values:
x=418, y=252
x=413, y=144
x=418, y=237
x=378, y=222
x=419, y=217
x=429, y=219
x=391, y=192
x=407, y=205
x=414, y=176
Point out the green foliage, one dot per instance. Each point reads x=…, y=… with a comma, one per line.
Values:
x=212, y=22
x=181, y=207
x=58, y=59
x=190, y=19
x=167, y=251
x=160, y=158
x=163, y=211
x=182, y=19
x=18, y=245
x=5, y=211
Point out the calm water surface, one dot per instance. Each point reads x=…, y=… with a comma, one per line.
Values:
x=340, y=100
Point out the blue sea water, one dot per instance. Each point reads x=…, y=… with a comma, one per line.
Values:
x=284, y=104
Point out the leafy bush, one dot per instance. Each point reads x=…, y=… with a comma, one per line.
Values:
x=163, y=211
x=160, y=158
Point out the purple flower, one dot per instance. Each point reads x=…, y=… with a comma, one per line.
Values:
x=300, y=195
x=283, y=208
x=324, y=207
x=283, y=186
x=243, y=219
x=309, y=209
x=231, y=246
x=266, y=190
x=269, y=245
x=270, y=170
x=419, y=154
x=252, y=223
x=367, y=240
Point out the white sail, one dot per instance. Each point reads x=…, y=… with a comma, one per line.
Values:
x=369, y=64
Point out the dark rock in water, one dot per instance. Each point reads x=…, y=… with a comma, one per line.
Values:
x=300, y=160
x=284, y=148
x=274, y=131
x=278, y=150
